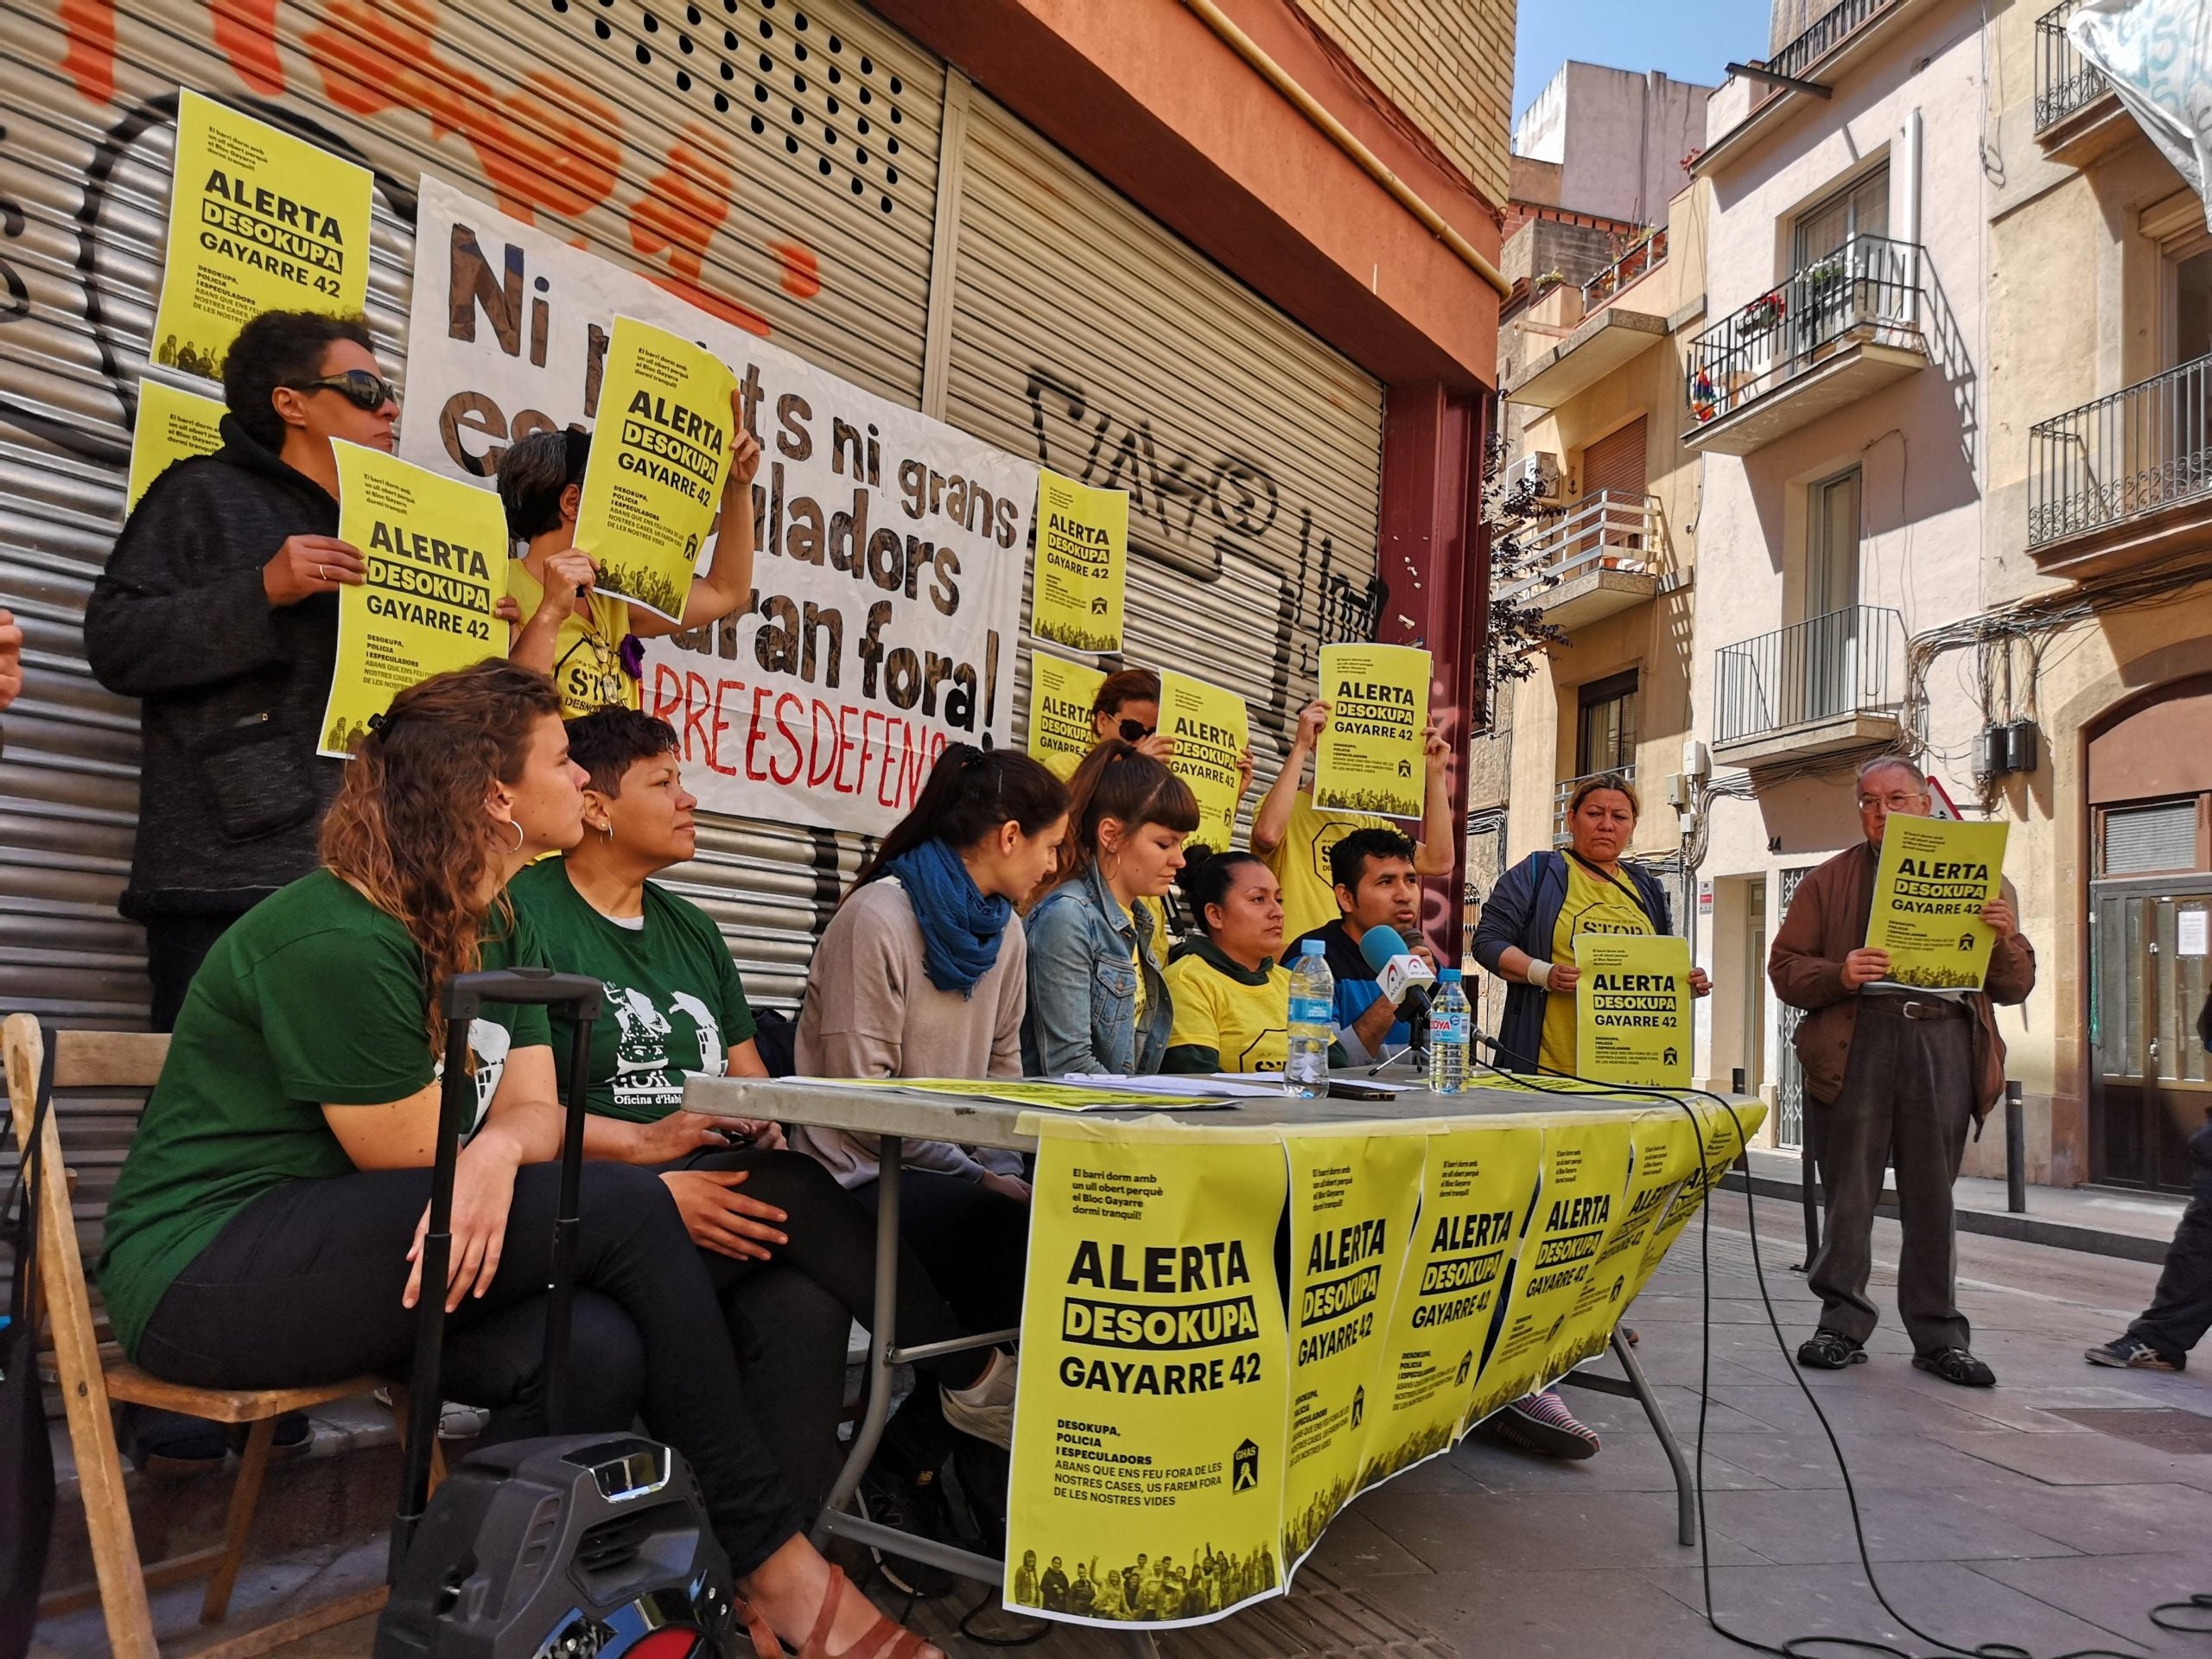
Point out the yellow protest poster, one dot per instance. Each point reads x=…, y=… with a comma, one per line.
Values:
x=1352, y=1198
x=1061, y=694
x=259, y=220
x=436, y=553
x=1584, y=1169
x=1663, y=1151
x=1632, y=1010
x=172, y=425
x=1723, y=1133
x=1083, y=556
x=1369, y=759
x=1150, y=1414
x=1211, y=732
x=1474, y=1191
x=1933, y=878
x=660, y=455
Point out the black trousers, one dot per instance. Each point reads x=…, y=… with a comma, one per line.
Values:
x=2181, y=1309
x=176, y=946
x=790, y=1315
x=303, y=1287
x=1907, y=1100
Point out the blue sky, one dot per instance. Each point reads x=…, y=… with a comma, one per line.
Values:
x=1688, y=39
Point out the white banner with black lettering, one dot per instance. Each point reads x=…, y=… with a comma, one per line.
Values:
x=887, y=590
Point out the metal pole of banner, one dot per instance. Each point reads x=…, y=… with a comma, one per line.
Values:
x=2015, y=1150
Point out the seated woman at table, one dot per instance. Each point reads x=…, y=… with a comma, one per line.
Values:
x=266, y=1229
x=1098, y=999
x=786, y=1247
x=1230, y=993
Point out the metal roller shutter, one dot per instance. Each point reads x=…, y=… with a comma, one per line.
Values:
x=1616, y=463
x=1086, y=334
x=784, y=155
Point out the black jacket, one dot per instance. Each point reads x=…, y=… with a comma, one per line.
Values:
x=230, y=792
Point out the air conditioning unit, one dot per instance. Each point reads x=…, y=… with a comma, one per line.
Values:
x=1535, y=476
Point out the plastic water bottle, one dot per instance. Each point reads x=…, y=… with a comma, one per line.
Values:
x=1448, y=1036
x=1313, y=1008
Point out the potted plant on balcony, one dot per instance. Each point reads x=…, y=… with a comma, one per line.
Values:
x=1762, y=313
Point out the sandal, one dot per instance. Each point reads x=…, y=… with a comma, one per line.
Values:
x=883, y=1639
x=1830, y=1351
x=1956, y=1365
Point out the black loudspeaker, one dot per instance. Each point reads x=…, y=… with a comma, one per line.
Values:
x=573, y=1547
x=570, y=1548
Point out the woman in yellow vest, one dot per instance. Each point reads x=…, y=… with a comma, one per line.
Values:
x=588, y=641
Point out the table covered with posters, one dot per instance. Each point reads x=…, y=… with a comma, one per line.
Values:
x=1245, y=1308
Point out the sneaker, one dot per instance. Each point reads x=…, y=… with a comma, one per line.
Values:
x=915, y=1506
x=985, y=1407
x=1955, y=1365
x=1542, y=1422
x=2126, y=1354
x=1830, y=1351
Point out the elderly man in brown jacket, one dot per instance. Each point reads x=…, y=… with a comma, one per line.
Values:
x=1899, y=1073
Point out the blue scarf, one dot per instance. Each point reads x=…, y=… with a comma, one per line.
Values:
x=960, y=923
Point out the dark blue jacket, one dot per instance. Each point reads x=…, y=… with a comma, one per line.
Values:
x=1522, y=911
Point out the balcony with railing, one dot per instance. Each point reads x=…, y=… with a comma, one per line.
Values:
x=1596, y=558
x=1563, y=792
x=1817, y=54
x=1823, y=686
x=2125, y=479
x=1835, y=330
x=2077, y=116
x=1614, y=328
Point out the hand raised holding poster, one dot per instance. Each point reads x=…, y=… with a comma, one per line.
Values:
x=1933, y=878
x=436, y=555
x=1082, y=554
x=652, y=494
x=1061, y=694
x=1211, y=734
x=258, y=221
x=1370, y=758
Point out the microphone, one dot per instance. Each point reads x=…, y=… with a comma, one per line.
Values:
x=1404, y=977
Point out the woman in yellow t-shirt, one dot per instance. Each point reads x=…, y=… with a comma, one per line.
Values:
x=1232, y=997
x=584, y=639
x=1545, y=903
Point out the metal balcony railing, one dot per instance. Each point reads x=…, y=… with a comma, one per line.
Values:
x=1849, y=662
x=1867, y=289
x=1827, y=32
x=1605, y=530
x=1643, y=258
x=2065, y=81
x=2134, y=452
x=1563, y=792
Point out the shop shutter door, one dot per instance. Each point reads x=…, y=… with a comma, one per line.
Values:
x=738, y=124
x=1087, y=335
x=1616, y=463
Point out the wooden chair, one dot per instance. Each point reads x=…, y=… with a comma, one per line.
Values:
x=90, y=1382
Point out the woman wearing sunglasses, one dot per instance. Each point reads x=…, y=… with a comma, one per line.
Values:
x=586, y=640
x=1128, y=707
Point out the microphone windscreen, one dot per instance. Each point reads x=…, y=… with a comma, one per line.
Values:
x=1378, y=944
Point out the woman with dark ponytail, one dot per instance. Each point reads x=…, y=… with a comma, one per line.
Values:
x=1231, y=992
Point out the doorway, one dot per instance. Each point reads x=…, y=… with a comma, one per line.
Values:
x=2149, y=947
x=1756, y=992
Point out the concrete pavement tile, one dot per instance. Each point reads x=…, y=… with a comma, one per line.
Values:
x=1809, y=1527
x=1879, y=1462
x=2117, y=1591
x=2091, y=1459
x=2030, y=1408
x=2117, y=1520
x=1951, y=1602
x=1354, y=1550
x=1632, y=1460
x=1537, y=1530
x=1555, y=1615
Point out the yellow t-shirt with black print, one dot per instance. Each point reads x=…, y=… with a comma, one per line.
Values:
x=1300, y=862
x=586, y=654
x=1594, y=905
x=1239, y=1018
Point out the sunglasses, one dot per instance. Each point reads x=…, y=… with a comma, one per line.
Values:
x=357, y=386
x=1135, y=731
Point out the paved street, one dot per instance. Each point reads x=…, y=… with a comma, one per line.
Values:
x=1991, y=1516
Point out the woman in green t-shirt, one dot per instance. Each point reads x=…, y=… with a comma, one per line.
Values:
x=265, y=1225
x=760, y=1214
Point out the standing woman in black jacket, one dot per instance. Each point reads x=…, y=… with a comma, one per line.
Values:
x=219, y=611
x=1544, y=903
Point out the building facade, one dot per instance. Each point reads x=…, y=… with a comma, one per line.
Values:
x=1113, y=239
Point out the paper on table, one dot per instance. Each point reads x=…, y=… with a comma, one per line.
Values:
x=1221, y=1085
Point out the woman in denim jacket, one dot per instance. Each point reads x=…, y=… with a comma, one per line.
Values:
x=1098, y=1000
